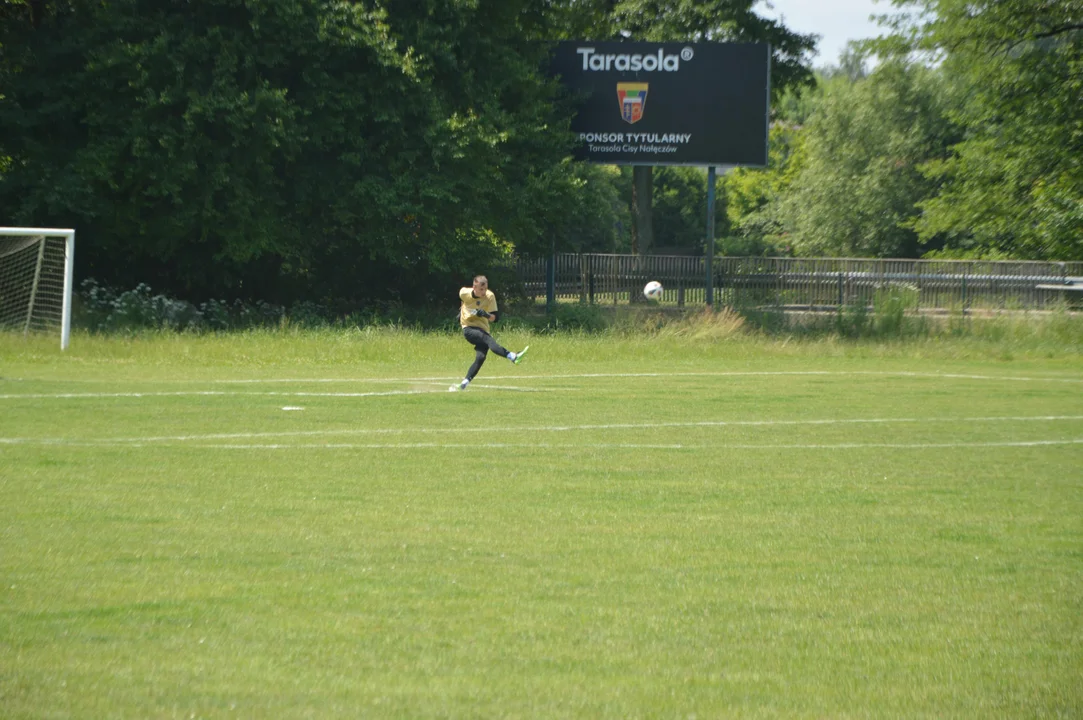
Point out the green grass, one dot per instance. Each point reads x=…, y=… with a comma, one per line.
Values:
x=682, y=522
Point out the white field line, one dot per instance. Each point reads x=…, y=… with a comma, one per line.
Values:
x=528, y=429
x=438, y=381
x=475, y=385
x=437, y=387
x=624, y=446
x=740, y=373
x=201, y=393
x=487, y=384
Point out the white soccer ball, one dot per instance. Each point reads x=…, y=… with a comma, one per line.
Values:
x=653, y=290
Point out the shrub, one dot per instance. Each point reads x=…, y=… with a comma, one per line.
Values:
x=137, y=309
x=99, y=308
x=574, y=316
x=890, y=311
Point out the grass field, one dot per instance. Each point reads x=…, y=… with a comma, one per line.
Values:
x=617, y=527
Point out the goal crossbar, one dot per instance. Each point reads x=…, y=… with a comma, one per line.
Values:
x=68, y=235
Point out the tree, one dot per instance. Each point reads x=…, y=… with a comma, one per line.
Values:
x=1014, y=184
x=754, y=195
x=594, y=218
x=680, y=206
x=283, y=149
x=858, y=189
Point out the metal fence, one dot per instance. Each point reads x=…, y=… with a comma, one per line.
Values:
x=803, y=284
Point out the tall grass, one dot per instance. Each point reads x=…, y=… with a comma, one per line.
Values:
x=647, y=335
x=893, y=316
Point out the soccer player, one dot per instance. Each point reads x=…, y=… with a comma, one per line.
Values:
x=477, y=311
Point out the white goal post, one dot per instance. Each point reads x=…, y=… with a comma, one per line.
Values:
x=36, y=279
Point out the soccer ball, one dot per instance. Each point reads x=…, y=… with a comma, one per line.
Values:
x=653, y=290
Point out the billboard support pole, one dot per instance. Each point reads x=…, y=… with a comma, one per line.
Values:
x=709, y=246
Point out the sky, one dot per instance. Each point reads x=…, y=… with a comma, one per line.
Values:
x=836, y=21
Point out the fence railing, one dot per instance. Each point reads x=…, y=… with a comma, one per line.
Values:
x=803, y=283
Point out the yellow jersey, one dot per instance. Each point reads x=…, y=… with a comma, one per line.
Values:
x=487, y=303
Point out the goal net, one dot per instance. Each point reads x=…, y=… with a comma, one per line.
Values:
x=36, y=280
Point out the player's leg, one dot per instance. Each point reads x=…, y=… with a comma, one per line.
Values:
x=500, y=350
x=480, y=351
x=477, y=338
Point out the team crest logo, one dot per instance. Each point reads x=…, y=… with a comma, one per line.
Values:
x=633, y=100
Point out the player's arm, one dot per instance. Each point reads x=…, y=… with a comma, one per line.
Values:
x=490, y=316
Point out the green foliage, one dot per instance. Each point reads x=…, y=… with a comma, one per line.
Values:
x=965, y=142
x=574, y=317
x=858, y=189
x=102, y=309
x=293, y=150
x=751, y=244
x=99, y=308
x=853, y=320
x=853, y=64
x=1015, y=182
x=340, y=154
x=596, y=210
x=971, y=253
x=680, y=207
x=893, y=306
x=891, y=316
x=753, y=194
x=794, y=106
x=704, y=20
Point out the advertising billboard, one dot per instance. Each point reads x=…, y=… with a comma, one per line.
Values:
x=645, y=103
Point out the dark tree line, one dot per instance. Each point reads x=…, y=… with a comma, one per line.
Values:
x=343, y=152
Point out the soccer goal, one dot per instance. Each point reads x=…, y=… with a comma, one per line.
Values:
x=36, y=280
